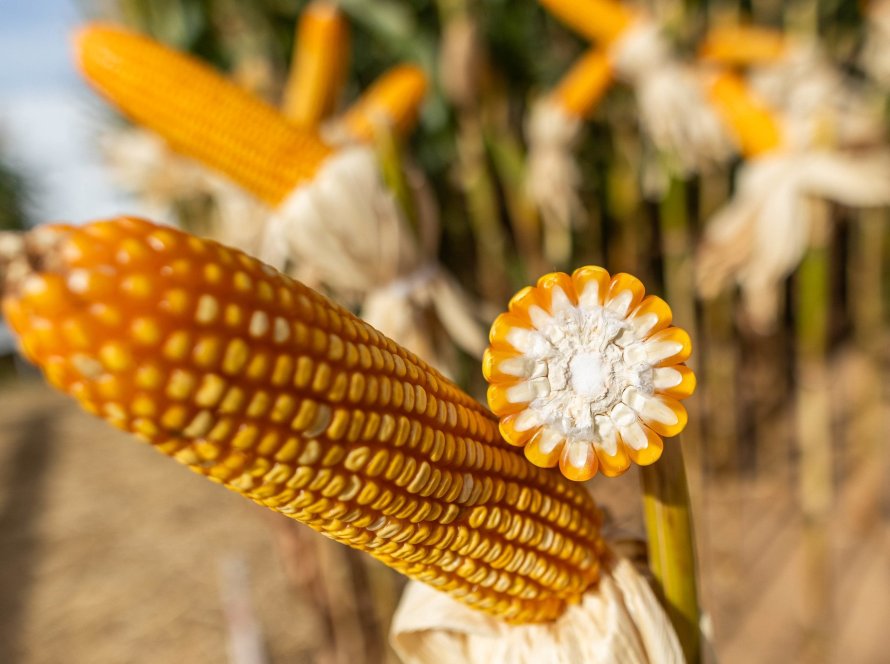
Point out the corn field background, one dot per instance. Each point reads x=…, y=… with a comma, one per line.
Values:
x=786, y=450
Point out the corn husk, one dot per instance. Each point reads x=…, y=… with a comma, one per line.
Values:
x=674, y=110
x=875, y=57
x=553, y=177
x=761, y=235
x=143, y=163
x=819, y=105
x=619, y=620
x=363, y=250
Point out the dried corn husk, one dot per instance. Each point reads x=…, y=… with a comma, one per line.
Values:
x=552, y=175
x=673, y=107
x=827, y=147
x=363, y=250
x=875, y=56
x=619, y=620
x=760, y=236
x=143, y=163
x=818, y=104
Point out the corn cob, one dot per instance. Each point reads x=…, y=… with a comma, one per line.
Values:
x=259, y=383
x=596, y=20
x=586, y=373
x=755, y=128
x=199, y=113
x=319, y=65
x=394, y=98
x=582, y=87
x=742, y=46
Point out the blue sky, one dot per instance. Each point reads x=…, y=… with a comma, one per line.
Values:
x=48, y=118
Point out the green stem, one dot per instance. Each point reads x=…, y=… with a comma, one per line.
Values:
x=483, y=210
x=671, y=545
x=389, y=156
x=508, y=160
x=679, y=289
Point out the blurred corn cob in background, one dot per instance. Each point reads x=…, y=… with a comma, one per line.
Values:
x=393, y=102
x=319, y=65
x=172, y=95
x=323, y=192
x=673, y=111
x=761, y=235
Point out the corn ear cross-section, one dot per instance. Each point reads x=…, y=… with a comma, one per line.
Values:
x=259, y=383
x=199, y=113
x=586, y=373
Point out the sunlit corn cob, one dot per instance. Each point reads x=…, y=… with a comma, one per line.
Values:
x=319, y=64
x=394, y=99
x=582, y=87
x=755, y=128
x=586, y=372
x=262, y=384
x=199, y=113
x=597, y=20
x=742, y=45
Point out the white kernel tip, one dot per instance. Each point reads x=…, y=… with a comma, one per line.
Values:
x=259, y=324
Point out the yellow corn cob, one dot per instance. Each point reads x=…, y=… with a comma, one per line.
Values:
x=754, y=126
x=742, y=46
x=258, y=382
x=199, y=113
x=394, y=98
x=319, y=65
x=596, y=20
x=582, y=87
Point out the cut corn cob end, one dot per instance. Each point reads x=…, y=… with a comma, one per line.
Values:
x=742, y=46
x=393, y=99
x=586, y=372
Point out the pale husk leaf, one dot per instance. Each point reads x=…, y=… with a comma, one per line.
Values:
x=619, y=620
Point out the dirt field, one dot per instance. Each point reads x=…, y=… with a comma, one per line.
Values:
x=111, y=553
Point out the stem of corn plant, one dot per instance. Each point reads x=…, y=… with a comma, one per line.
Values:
x=508, y=161
x=666, y=501
x=668, y=517
x=865, y=295
x=476, y=181
x=721, y=356
x=389, y=154
x=482, y=208
x=623, y=204
x=814, y=434
x=679, y=290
